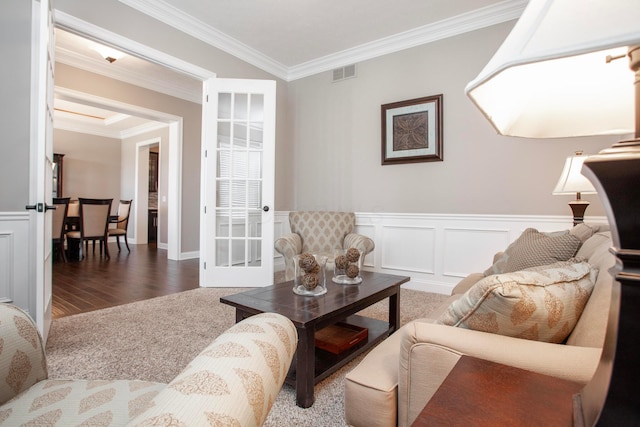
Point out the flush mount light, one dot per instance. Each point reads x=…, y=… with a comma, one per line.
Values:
x=108, y=53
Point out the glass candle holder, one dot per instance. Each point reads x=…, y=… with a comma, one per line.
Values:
x=347, y=266
x=310, y=274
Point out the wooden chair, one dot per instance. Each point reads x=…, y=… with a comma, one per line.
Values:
x=58, y=226
x=94, y=224
x=124, y=209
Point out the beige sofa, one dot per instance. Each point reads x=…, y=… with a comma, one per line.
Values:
x=234, y=381
x=397, y=378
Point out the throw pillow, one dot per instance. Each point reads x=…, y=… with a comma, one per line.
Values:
x=542, y=303
x=533, y=249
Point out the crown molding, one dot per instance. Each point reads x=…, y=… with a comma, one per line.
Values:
x=176, y=18
x=74, y=126
x=491, y=15
x=159, y=119
x=481, y=18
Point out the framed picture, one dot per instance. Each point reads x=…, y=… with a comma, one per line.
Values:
x=412, y=131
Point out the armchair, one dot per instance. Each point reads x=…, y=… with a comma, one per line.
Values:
x=319, y=232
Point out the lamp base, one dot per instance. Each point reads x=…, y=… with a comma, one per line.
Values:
x=578, y=207
x=611, y=397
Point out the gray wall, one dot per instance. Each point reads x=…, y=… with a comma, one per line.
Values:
x=337, y=134
x=15, y=103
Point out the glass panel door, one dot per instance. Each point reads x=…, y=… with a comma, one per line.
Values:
x=239, y=217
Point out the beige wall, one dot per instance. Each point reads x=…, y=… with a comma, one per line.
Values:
x=91, y=165
x=338, y=149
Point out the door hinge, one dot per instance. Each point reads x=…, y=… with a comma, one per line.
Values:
x=205, y=209
x=205, y=265
x=207, y=98
x=206, y=153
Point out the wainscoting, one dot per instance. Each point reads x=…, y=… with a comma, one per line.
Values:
x=435, y=250
x=438, y=250
x=14, y=258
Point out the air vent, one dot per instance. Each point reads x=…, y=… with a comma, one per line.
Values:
x=342, y=73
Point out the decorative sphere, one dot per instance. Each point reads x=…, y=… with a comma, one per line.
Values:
x=307, y=261
x=352, y=271
x=341, y=262
x=353, y=255
x=310, y=281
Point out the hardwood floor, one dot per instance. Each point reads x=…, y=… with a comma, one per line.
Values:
x=95, y=283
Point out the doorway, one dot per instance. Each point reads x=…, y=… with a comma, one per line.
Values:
x=173, y=172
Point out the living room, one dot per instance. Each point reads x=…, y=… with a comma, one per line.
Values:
x=318, y=118
x=436, y=221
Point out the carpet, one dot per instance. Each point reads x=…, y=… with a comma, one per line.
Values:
x=155, y=339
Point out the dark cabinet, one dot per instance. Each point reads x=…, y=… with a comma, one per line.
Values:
x=57, y=174
x=153, y=226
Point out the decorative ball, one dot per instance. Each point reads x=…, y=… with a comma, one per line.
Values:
x=353, y=255
x=352, y=271
x=307, y=261
x=314, y=270
x=341, y=262
x=310, y=281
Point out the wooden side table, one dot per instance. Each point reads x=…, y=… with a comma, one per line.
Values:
x=482, y=393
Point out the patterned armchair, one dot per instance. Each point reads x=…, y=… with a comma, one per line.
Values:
x=319, y=232
x=234, y=381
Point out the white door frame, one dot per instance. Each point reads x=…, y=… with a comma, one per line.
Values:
x=141, y=189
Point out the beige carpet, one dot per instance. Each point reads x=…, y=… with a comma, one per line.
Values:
x=155, y=339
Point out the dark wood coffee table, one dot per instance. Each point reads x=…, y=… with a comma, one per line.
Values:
x=310, y=314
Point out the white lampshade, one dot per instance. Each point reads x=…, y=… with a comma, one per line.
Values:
x=550, y=77
x=571, y=180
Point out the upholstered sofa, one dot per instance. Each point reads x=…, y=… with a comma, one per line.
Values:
x=396, y=379
x=234, y=381
x=319, y=232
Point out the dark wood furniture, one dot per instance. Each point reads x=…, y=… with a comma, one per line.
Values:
x=310, y=314
x=94, y=224
x=122, y=223
x=481, y=393
x=58, y=226
x=57, y=174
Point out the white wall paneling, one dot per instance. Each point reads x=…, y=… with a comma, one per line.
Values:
x=14, y=258
x=437, y=250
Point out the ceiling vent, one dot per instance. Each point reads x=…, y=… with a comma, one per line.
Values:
x=342, y=73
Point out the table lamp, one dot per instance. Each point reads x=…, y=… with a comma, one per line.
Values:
x=573, y=182
x=563, y=72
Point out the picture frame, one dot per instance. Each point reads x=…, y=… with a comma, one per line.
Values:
x=412, y=131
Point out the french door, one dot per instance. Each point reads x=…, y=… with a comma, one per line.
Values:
x=236, y=231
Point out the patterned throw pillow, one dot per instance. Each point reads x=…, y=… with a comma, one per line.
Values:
x=533, y=249
x=541, y=304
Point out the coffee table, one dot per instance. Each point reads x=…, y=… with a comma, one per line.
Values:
x=312, y=313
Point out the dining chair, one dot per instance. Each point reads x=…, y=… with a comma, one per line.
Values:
x=58, y=225
x=94, y=224
x=124, y=209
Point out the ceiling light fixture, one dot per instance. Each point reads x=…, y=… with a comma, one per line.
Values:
x=108, y=53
